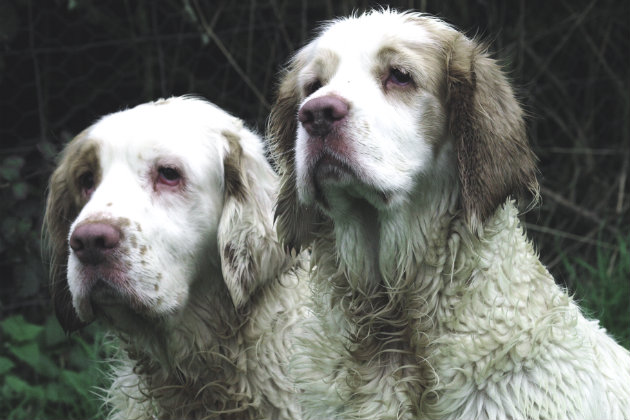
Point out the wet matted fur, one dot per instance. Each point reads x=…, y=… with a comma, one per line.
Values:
x=400, y=144
x=159, y=223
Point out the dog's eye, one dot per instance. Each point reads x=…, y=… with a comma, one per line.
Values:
x=86, y=184
x=168, y=175
x=399, y=77
x=312, y=87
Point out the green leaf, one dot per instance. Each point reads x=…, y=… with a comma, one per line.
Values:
x=29, y=278
x=28, y=353
x=48, y=150
x=53, y=333
x=14, y=385
x=46, y=367
x=31, y=355
x=10, y=167
x=78, y=382
x=20, y=190
x=58, y=393
x=5, y=365
x=19, y=329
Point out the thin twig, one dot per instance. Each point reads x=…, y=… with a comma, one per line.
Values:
x=560, y=45
x=623, y=176
x=568, y=235
x=217, y=41
x=580, y=151
x=38, y=80
x=587, y=214
x=568, y=250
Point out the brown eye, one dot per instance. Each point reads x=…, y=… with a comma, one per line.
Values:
x=312, y=87
x=168, y=175
x=399, y=77
x=86, y=184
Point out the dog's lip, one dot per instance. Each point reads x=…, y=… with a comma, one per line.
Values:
x=328, y=164
x=103, y=293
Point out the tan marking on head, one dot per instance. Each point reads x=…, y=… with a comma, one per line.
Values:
x=494, y=157
x=295, y=223
x=320, y=70
x=64, y=202
x=232, y=167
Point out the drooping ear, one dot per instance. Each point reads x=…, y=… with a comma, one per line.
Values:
x=249, y=250
x=495, y=160
x=295, y=221
x=63, y=204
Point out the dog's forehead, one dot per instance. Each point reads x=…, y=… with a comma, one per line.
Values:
x=176, y=128
x=369, y=33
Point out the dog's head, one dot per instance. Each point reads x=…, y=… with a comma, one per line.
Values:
x=378, y=101
x=149, y=200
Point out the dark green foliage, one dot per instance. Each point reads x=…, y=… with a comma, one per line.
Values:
x=45, y=374
x=64, y=63
x=603, y=289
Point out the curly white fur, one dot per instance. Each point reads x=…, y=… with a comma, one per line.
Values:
x=159, y=223
x=429, y=300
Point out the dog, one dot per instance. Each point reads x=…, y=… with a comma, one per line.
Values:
x=159, y=222
x=402, y=153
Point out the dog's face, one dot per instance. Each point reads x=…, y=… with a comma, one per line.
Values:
x=370, y=110
x=379, y=101
x=153, y=197
x=140, y=204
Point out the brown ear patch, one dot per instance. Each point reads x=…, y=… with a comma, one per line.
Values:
x=486, y=121
x=232, y=168
x=63, y=205
x=295, y=222
x=240, y=265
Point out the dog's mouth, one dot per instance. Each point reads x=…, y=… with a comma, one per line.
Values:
x=329, y=167
x=113, y=303
x=329, y=170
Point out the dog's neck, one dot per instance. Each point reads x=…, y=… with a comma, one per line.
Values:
x=205, y=352
x=392, y=313
x=374, y=245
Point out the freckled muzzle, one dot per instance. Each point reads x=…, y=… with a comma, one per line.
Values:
x=101, y=273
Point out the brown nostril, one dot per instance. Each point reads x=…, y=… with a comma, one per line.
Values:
x=318, y=116
x=92, y=241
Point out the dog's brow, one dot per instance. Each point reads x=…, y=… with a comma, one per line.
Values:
x=325, y=63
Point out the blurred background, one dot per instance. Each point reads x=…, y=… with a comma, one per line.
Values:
x=64, y=63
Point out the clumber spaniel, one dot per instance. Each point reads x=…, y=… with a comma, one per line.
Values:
x=399, y=143
x=159, y=221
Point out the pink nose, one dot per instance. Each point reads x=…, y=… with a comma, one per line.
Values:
x=318, y=116
x=92, y=242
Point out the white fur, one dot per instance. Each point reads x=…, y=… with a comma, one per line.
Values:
x=421, y=311
x=201, y=297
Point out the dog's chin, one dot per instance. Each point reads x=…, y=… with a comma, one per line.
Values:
x=331, y=180
x=119, y=310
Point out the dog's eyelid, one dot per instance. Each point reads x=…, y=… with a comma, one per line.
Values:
x=168, y=174
x=399, y=76
x=86, y=179
x=312, y=87
x=87, y=183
